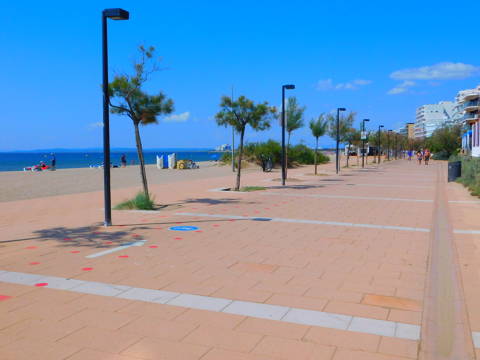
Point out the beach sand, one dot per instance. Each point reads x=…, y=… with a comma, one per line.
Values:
x=20, y=185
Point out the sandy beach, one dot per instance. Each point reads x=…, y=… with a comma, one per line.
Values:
x=20, y=185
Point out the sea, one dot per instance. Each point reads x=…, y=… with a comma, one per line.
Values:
x=16, y=161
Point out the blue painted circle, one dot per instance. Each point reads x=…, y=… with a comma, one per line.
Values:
x=183, y=228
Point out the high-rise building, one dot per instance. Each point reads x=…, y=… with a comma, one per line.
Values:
x=469, y=106
x=431, y=117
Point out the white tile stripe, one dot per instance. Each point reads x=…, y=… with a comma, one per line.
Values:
x=119, y=248
x=302, y=221
x=464, y=202
x=244, y=308
x=401, y=186
x=476, y=339
x=321, y=196
x=466, y=231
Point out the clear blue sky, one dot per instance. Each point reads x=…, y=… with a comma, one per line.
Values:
x=338, y=53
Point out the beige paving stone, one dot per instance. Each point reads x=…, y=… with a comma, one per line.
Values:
x=218, y=354
x=24, y=349
x=399, y=347
x=108, y=320
x=157, y=349
x=342, y=354
x=273, y=328
x=343, y=339
x=403, y=316
x=223, y=338
x=88, y=354
x=367, y=311
x=208, y=318
x=157, y=328
x=282, y=348
x=110, y=341
x=162, y=311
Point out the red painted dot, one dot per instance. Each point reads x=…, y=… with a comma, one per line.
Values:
x=87, y=269
x=75, y=252
x=216, y=225
x=153, y=246
x=4, y=297
x=178, y=222
x=231, y=220
x=67, y=239
x=31, y=247
x=108, y=242
x=34, y=263
x=135, y=235
x=198, y=230
x=123, y=256
x=41, y=284
x=178, y=238
x=96, y=232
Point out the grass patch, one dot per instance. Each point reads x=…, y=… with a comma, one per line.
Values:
x=139, y=202
x=252, y=188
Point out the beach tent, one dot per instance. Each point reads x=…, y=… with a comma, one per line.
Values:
x=159, y=162
x=172, y=161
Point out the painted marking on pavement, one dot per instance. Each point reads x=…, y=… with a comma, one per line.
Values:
x=464, y=202
x=302, y=221
x=119, y=248
x=183, y=228
x=228, y=306
x=466, y=231
x=346, y=197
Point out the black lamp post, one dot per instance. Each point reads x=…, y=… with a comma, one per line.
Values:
x=395, y=147
x=379, y=143
x=337, y=149
x=114, y=14
x=364, y=137
x=284, y=155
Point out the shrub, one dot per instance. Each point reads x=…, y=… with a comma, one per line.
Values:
x=139, y=202
x=470, y=173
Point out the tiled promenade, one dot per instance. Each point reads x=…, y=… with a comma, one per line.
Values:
x=328, y=267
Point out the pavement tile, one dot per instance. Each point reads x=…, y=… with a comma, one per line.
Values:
x=392, y=302
x=218, y=354
x=108, y=320
x=166, y=312
x=399, y=347
x=111, y=341
x=409, y=317
x=157, y=328
x=157, y=349
x=339, y=307
x=223, y=338
x=28, y=349
x=98, y=288
x=407, y=331
x=372, y=326
x=281, y=348
x=199, y=302
x=342, y=354
x=302, y=302
x=343, y=339
x=317, y=318
x=203, y=317
x=265, y=311
x=157, y=296
x=88, y=354
x=273, y=328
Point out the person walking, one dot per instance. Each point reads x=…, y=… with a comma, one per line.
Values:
x=53, y=162
x=419, y=157
x=410, y=154
x=123, y=160
x=426, y=156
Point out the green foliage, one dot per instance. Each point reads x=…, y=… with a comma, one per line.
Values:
x=299, y=154
x=345, y=125
x=132, y=101
x=243, y=112
x=445, y=141
x=319, y=126
x=294, y=115
x=139, y=202
x=470, y=173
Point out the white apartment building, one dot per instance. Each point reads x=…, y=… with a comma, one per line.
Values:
x=469, y=104
x=431, y=117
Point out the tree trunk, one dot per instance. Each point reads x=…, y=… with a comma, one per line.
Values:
x=286, y=156
x=348, y=154
x=316, y=150
x=240, y=155
x=143, y=175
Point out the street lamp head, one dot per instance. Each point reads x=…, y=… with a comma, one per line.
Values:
x=380, y=126
x=341, y=109
x=366, y=119
x=116, y=14
x=289, y=87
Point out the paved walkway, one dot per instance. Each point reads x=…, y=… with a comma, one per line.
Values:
x=328, y=267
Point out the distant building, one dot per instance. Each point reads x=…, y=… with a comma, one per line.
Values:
x=431, y=117
x=408, y=130
x=223, y=147
x=469, y=108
